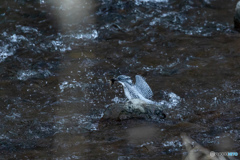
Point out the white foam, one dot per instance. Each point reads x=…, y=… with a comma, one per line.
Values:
x=64, y=85
x=173, y=101
x=25, y=74
x=5, y=52
x=17, y=38
x=175, y=143
x=154, y=1
x=92, y=35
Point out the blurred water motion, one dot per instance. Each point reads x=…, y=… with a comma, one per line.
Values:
x=71, y=12
x=56, y=57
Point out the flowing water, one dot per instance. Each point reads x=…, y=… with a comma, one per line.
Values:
x=56, y=57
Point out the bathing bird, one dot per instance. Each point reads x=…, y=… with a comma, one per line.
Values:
x=139, y=90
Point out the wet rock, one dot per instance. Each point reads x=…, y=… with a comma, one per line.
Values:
x=237, y=17
x=133, y=109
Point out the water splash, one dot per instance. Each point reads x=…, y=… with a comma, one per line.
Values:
x=175, y=143
x=66, y=85
x=153, y=1
x=5, y=52
x=92, y=35
x=26, y=74
x=173, y=101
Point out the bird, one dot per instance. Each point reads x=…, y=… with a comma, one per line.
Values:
x=139, y=90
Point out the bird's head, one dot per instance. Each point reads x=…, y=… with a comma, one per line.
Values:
x=121, y=79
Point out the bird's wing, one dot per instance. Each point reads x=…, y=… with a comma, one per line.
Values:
x=129, y=92
x=143, y=87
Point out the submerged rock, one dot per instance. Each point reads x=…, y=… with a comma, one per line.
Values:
x=134, y=108
x=237, y=17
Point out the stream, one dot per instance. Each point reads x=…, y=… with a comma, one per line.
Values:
x=57, y=57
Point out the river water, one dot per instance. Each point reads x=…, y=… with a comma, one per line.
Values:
x=56, y=57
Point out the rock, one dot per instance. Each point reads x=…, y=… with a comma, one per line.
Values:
x=134, y=108
x=237, y=17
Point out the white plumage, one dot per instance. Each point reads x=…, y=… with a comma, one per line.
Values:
x=139, y=90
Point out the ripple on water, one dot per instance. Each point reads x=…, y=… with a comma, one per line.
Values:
x=28, y=29
x=24, y=75
x=88, y=36
x=75, y=123
x=138, y=2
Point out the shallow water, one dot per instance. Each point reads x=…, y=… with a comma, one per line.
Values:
x=56, y=58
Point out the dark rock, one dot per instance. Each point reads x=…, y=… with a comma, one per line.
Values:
x=133, y=109
x=237, y=17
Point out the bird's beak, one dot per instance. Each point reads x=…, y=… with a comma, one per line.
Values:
x=112, y=81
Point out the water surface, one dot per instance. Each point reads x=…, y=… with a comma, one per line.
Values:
x=56, y=58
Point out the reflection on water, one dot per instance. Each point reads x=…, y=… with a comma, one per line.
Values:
x=56, y=59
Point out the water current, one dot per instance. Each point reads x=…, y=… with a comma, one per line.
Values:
x=57, y=56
